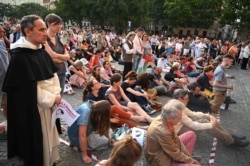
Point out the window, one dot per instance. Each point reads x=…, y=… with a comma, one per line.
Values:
x=204, y=34
x=180, y=32
x=196, y=33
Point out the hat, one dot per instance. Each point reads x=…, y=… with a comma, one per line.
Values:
x=130, y=34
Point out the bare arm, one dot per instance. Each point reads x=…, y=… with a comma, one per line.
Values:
x=57, y=58
x=124, y=96
x=193, y=67
x=157, y=82
x=136, y=93
x=114, y=101
x=165, y=82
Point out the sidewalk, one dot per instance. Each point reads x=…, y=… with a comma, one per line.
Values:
x=236, y=119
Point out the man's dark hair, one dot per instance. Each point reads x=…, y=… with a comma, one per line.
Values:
x=115, y=78
x=28, y=22
x=139, y=29
x=228, y=56
x=180, y=93
x=193, y=85
x=174, y=68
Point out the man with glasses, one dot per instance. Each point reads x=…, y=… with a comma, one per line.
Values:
x=204, y=122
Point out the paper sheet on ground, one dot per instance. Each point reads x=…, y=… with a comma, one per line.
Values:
x=65, y=112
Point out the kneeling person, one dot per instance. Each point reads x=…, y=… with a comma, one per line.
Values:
x=93, y=122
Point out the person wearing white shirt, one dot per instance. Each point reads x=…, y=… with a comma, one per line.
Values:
x=201, y=48
x=128, y=52
x=178, y=48
x=164, y=63
x=138, y=48
x=245, y=56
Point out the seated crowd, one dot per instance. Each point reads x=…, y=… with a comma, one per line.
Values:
x=181, y=69
x=116, y=98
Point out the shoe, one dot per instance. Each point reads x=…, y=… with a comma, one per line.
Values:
x=3, y=136
x=197, y=158
x=239, y=137
x=227, y=102
x=232, y=101
x=240, y=143
x=149, y=110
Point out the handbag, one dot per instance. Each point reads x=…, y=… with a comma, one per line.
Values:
x=152, y=94
x=148, y=58
x=120, y=132
x=155, y=105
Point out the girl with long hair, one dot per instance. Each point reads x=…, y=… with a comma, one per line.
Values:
x=116, y=96
x=117, y=116
x=91, y=130
x=126, y=152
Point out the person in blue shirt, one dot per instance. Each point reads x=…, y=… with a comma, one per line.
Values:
x=91, y=130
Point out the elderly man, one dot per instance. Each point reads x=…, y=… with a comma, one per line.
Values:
x=162, y=145
x=199, y=121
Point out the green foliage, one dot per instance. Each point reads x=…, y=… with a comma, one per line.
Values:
x=192, y=13
x=115, y=13
x=31, y=8
x=7, y=10
x=74, y=10
x=236, y=13
x=156, y=11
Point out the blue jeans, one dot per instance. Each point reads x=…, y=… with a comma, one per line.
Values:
x=61, y=78
x=193, y=74
x=142, y=101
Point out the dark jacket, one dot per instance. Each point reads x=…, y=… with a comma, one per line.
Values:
x=25, y=137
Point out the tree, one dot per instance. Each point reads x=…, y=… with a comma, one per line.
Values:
x=74, y=10
x=236, y=13
x=7, y=10
x=105, y=12
x=192, y=13
x=31, y=8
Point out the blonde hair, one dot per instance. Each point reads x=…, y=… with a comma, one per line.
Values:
x=78, y=63
x=126, y=152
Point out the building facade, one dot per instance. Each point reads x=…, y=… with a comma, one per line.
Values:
x=46, y=3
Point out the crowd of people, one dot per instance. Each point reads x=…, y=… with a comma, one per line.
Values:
x=40, y=61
